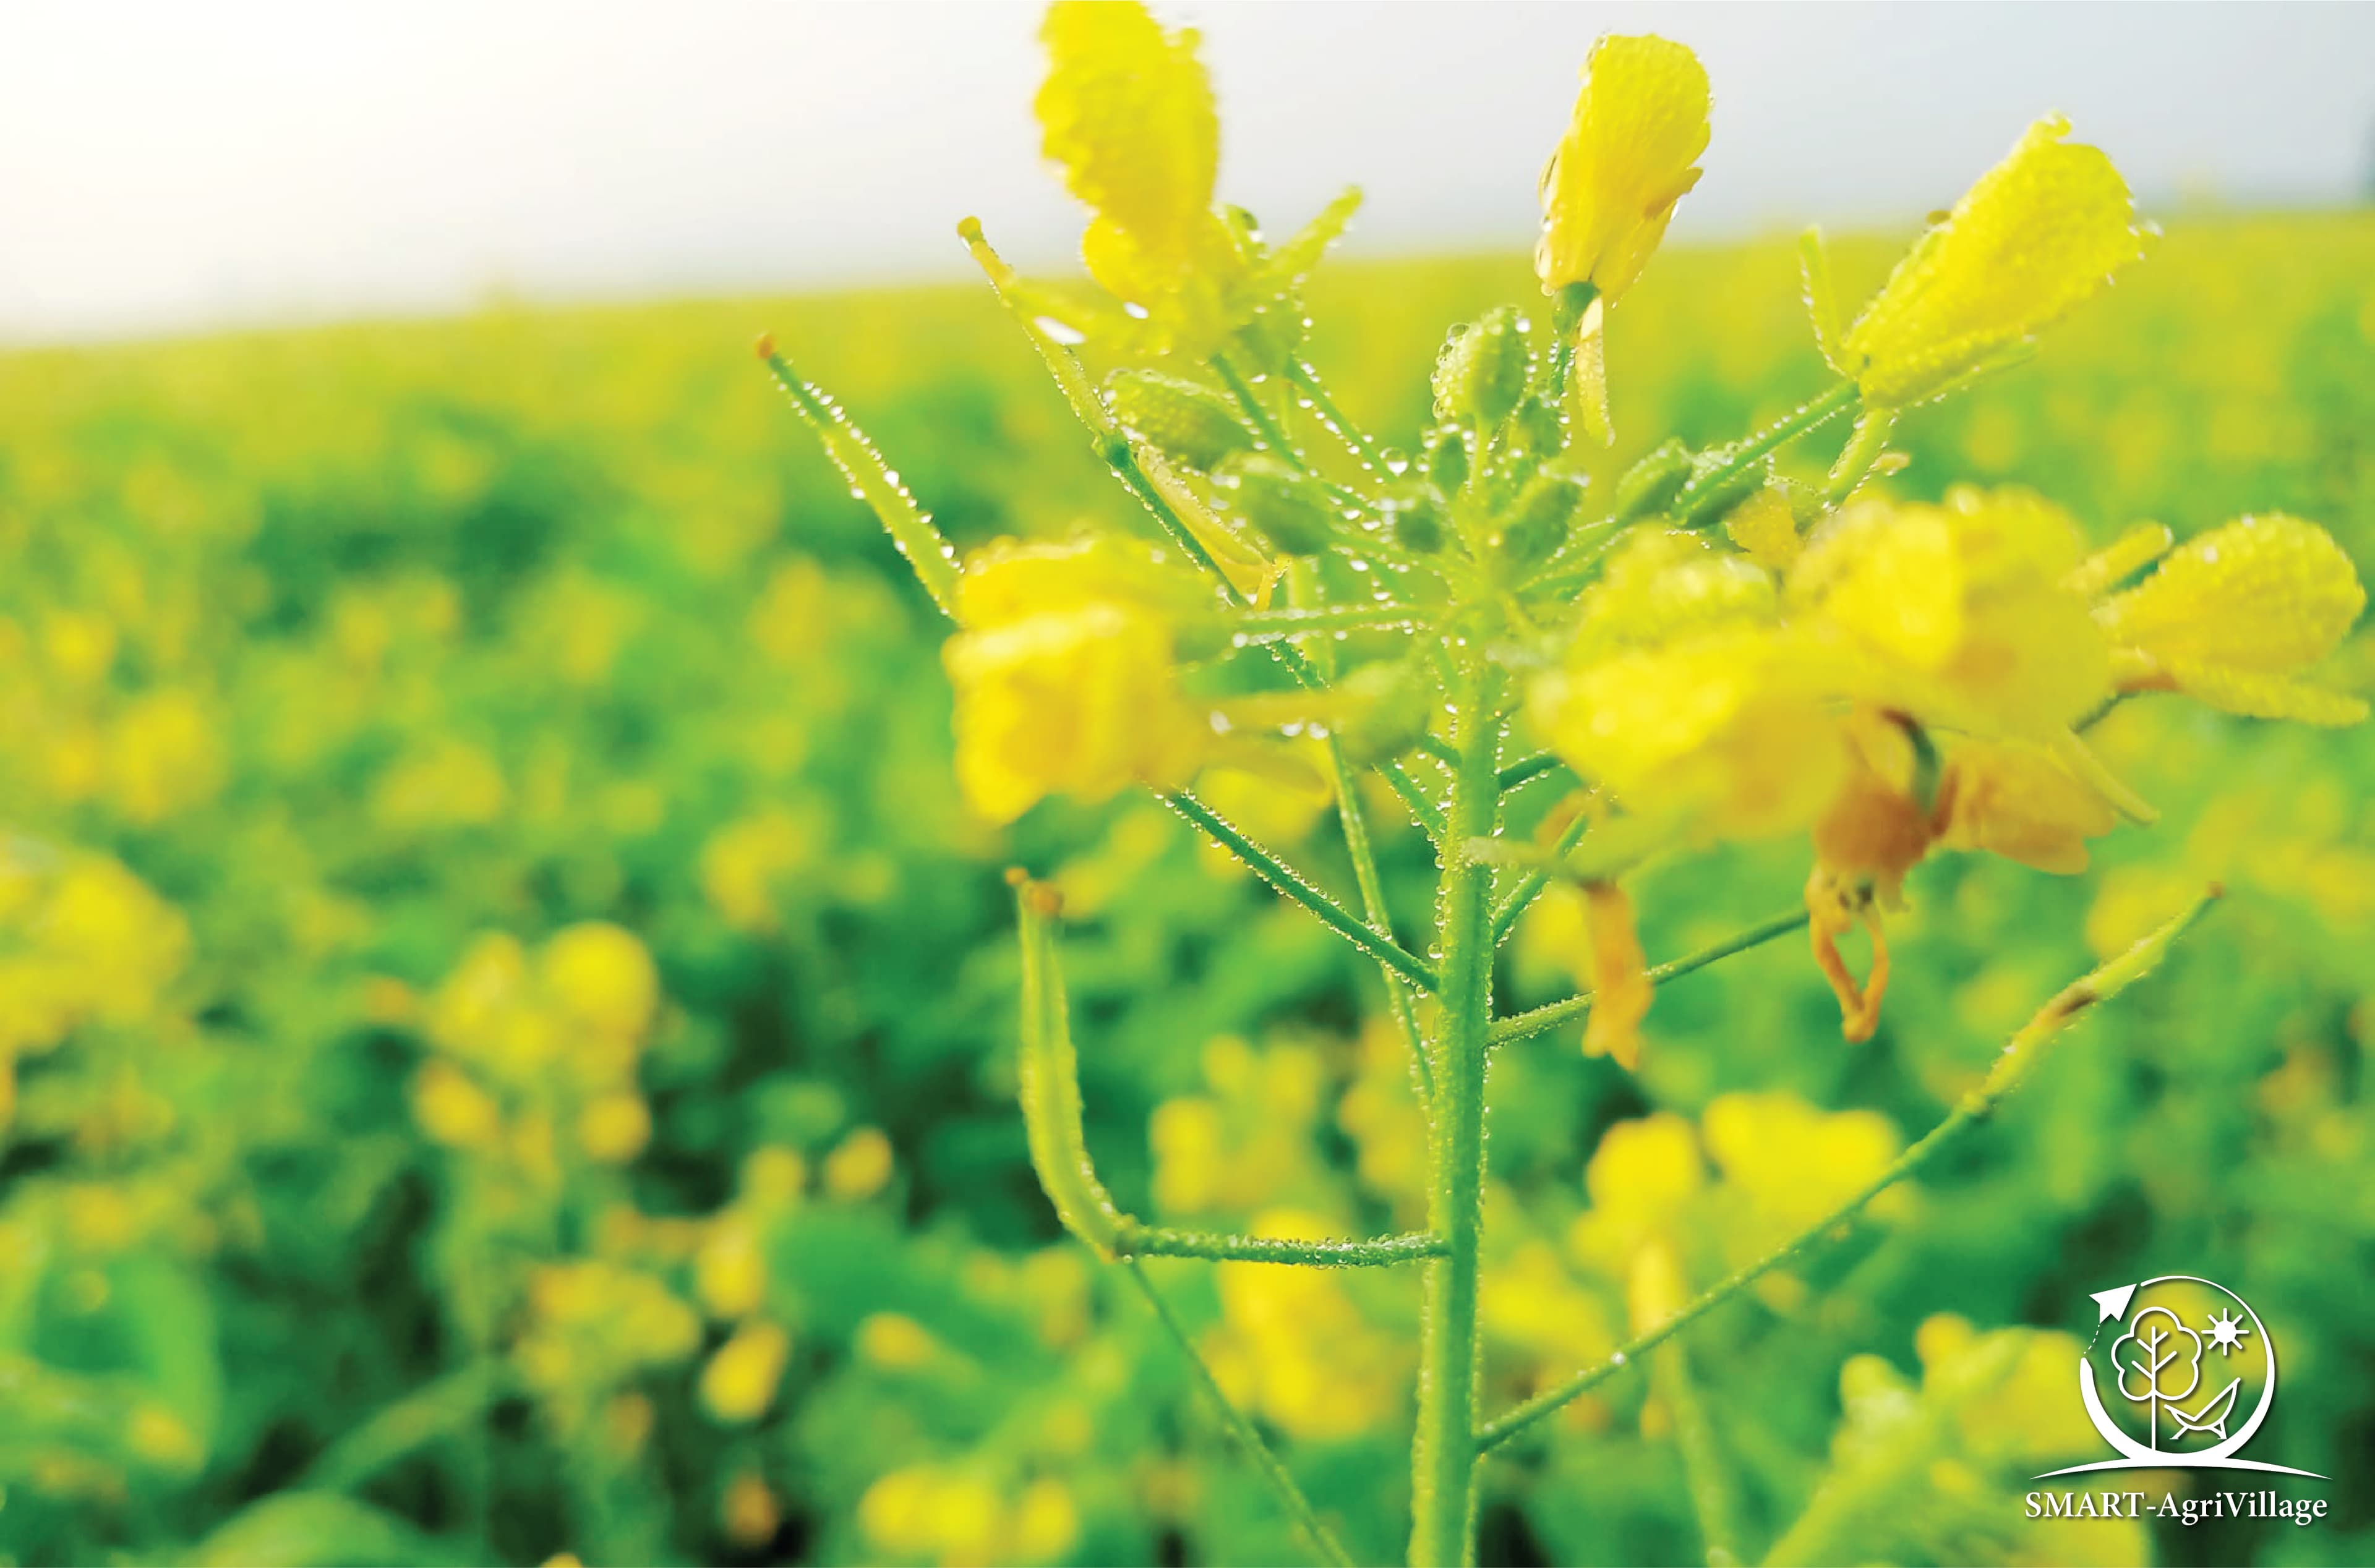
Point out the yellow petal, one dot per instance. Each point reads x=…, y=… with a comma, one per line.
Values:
x=2021, y=802
x=2038, y=234
x=1628, y=156
x=1619, y=974
x=1127, y=113
x=2268, y=594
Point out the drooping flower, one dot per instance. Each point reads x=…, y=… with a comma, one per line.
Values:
x=1610, y=962
x=1629, y=154
x=2037, y=235
x=2234, y=614
x=1063, y=675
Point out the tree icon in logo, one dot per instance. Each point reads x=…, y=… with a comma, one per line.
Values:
x=2159, y=1361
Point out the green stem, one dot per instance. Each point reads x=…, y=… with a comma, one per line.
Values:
x=1443, y=1459
x=1263, y=625
x=1298, y=1506
x=1250, y=401
x=1354, y=818
x=1707, y=1469
x=2018, y=1059
x=1518, y=1026
x=910, y=527
x=1306, y=381
x=1529, y=887
x=1289, y=881
x=1736, y=459
x=1153, y=1241
x=1533, y=768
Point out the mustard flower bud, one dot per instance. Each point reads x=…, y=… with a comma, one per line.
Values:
x=1538, y=524
x=1653, y=481
x=1191, y=424
x=1288, y=508
x=1447, y=459
x=1481, y=374
x=1416, y=515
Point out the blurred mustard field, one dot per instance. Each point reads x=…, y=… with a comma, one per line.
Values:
x=510, y=1033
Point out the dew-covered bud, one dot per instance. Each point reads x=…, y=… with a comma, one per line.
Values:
x=1289, y=510
x=1481, y=374
x=1185, y=422
x=1649, y=484
x=1447, y=459
x=1711, y=505
x=1381, y=712
x=1538, y=524
x=1416, y=515
x=1537, y=430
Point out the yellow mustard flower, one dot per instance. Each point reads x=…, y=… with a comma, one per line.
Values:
x=860, y=1165
x=1630, y=153
x=1646, y=1171
x=1796, y=1161
x=1957, y=613
x=1064, y=676
x=2020, y=801
x=1718, y=729
x=2233, y=614
x=1127, y=113
x=2038, y=234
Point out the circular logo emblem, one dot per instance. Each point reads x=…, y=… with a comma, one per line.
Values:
x=2180, y=1374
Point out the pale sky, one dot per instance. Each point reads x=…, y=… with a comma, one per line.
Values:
x=167, y=167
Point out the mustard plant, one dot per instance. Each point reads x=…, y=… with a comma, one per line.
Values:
x=1710, y=652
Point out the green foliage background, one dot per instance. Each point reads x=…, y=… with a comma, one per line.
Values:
x=416, y=633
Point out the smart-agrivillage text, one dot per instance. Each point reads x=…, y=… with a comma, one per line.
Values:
x=2184, y=1510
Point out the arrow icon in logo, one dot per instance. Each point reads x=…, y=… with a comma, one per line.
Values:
x=2113, y=1304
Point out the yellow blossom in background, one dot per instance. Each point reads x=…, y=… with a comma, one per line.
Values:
x=745, y=864
x=860, y=1165
x=1064, y=676
x=454, y=1109
x=895, y=1341
x=2233, y=614
x=614, y=1128
x=163, y=756
x=748, y=1511
x=1794, y=1162
x=740, y=1382
x=1127, y=112
x=2036, y=235
x=1612, y=965
x=1645, y=1173
x=1295, y=1346
x=602, y=977
x=729, y=1273
x=1629, y=154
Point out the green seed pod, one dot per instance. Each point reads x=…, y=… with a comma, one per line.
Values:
x=1416, y=516
x=1289, y=510
x=1538, y=522
x=1185, y=422
x=1482, y=372
x=1447, y=459
x=1050, y=1080
x=1651, y=483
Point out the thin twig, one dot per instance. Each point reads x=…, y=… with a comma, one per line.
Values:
x=1240, y=1427
x=1291, y=882
x=1152, y=1241
x=1529, y=887
x=1518, y=1026
x=2019, y=1058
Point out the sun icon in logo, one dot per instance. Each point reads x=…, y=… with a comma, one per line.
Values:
x=2227, y=1332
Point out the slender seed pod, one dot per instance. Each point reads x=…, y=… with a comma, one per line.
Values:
x=1050, y=1079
